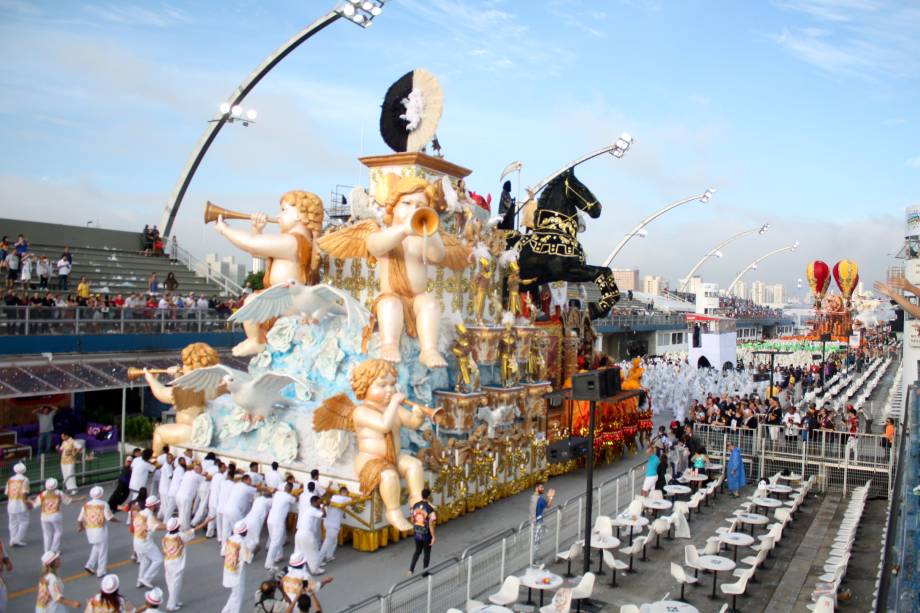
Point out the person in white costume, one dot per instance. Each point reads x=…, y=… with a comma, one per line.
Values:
x=50, y=501
x=141, y=469
x=186, y=494
x=282, y=502
x=94, y=519
x=169, y=503
x=108, y=600
x=273, y=478
x=203, y=497
x=162, y=459
x=224, y=528
x=240, y=500
x=237, y=556
x=148, y=554
x=217, y=482
x=17, y=506
x=308, y=538
x=153, y=598
x=335, y=512
x=166, y=474
x=297, y=580
x=174, y=543
x=255, y=519
x=50, y=590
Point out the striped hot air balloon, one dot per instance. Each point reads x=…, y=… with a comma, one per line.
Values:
x=846, y=274
x=819, y=278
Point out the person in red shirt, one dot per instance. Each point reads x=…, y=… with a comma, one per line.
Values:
x=119, y=301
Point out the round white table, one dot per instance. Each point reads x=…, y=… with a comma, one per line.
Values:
x=670, y=606
x=602, y=542
x=493, y=608
x=716, y=564
x=657, y=505
x=766, y=503
x=698, y=479
x=676, y=490
x=753, y=519
x=540, y=580
x=632, y=523
x=736, y=539
x=779, y=489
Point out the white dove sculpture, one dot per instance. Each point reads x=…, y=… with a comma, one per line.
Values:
x=255, y=395
x=315, y=302
x=494, y=417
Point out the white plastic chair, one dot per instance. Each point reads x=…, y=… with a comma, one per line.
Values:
x=474, y=605
x=508, y=594
x=678, y=572
x=628, y=608
x=573, y=552
x=561, y=603
x=614, y=565
x=603, y=525
x=584, y=589
x=736, y=588
x=692, y=559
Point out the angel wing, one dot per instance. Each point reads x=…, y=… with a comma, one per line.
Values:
x=350, y=241
x=202, y=379
x=456, y=254
x=267, y=304
x=354, y=311
x=334, y=414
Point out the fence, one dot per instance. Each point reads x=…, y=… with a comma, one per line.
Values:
x=838, y=460
x=481, y=568
x=102, y=467
x=35, y=320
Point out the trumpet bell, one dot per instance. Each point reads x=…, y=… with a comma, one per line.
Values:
x=213, y=211
x=424, y=221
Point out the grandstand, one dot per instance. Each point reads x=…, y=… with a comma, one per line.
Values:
x=113, y=261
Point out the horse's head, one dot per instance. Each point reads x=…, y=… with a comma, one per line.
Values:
x=580, y=196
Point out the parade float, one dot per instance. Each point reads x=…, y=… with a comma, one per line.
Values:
x=410, y=343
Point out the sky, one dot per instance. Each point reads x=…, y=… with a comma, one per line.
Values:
x=801, y=113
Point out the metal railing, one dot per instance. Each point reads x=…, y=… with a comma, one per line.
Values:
x=104, y=466
x=840, y=461
x=632, y=321
x=203, y=269
x=67, y=320
x=481, y=568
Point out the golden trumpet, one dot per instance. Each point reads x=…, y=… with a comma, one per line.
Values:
x=424, y=221
x=137, y=373
x=432, y=414
x=213, y=211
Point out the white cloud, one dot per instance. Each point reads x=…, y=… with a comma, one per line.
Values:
x=914, y=162
x=855, y=38
x=138, y=16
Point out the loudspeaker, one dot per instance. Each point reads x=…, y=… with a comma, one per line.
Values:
x=567, y=449
x=596, y=384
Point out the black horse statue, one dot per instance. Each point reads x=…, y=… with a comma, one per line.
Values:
x=552, y=251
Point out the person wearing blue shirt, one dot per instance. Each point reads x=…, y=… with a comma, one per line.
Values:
x=651, y=470
x=541, y=500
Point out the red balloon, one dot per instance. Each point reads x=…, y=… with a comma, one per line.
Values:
x=819, y=278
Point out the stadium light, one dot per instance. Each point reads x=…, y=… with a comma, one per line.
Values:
x=717, y=252
x=232, y=113
x=360, y=12
x=753, y=265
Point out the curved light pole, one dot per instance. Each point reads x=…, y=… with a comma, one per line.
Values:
x=717, y=252
x=703, y=198
x=349, y=10
x=754, y=264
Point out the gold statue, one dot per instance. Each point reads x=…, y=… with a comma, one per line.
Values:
x=482, y=282
x=536, y=363
x=288, y=255
x=507, y=357
x=514, y=287
x=189, y=404
x=468, y=376
x=408, y=241
x=377, y=421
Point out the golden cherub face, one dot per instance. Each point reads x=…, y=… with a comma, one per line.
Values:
x=289, y=217
x=381, y=390
x=407, y=205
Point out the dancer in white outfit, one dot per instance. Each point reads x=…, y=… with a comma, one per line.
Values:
x=148, y=554
x=50, y=590
x=50, y=501
x=237, y=555
x=166, y=473
x=282, y=501
x=255, y=519
x=308, y=538
x=17, y=495
x=169, y=504
x=335, y=512
x=94, y=519
x=214, y=500
x=186, y=494
x=174, y=542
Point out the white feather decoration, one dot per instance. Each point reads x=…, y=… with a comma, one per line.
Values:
x=480, y=251
x=450, y=196
x=511, y=255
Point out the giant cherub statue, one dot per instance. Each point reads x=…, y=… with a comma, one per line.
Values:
x=404, y=254
x=376, y=421
x=289, y=255
x=189, y=404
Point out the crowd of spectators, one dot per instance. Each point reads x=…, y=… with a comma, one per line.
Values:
x=738, y=308
x=22, y=269
x=49, y=313
x=154, y=244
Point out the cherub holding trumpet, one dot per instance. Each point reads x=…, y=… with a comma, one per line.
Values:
x=377, y=421
x=289, y=255
x=406, y=244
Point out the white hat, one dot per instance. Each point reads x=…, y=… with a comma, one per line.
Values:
x=109, y=584
x=154, y=596
x=240, y=527
x=50, y=556
x=296, y=560
x=96, y=492
x=172, y=524
x=51, y=484
x=152, y=501
x=19, y=468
